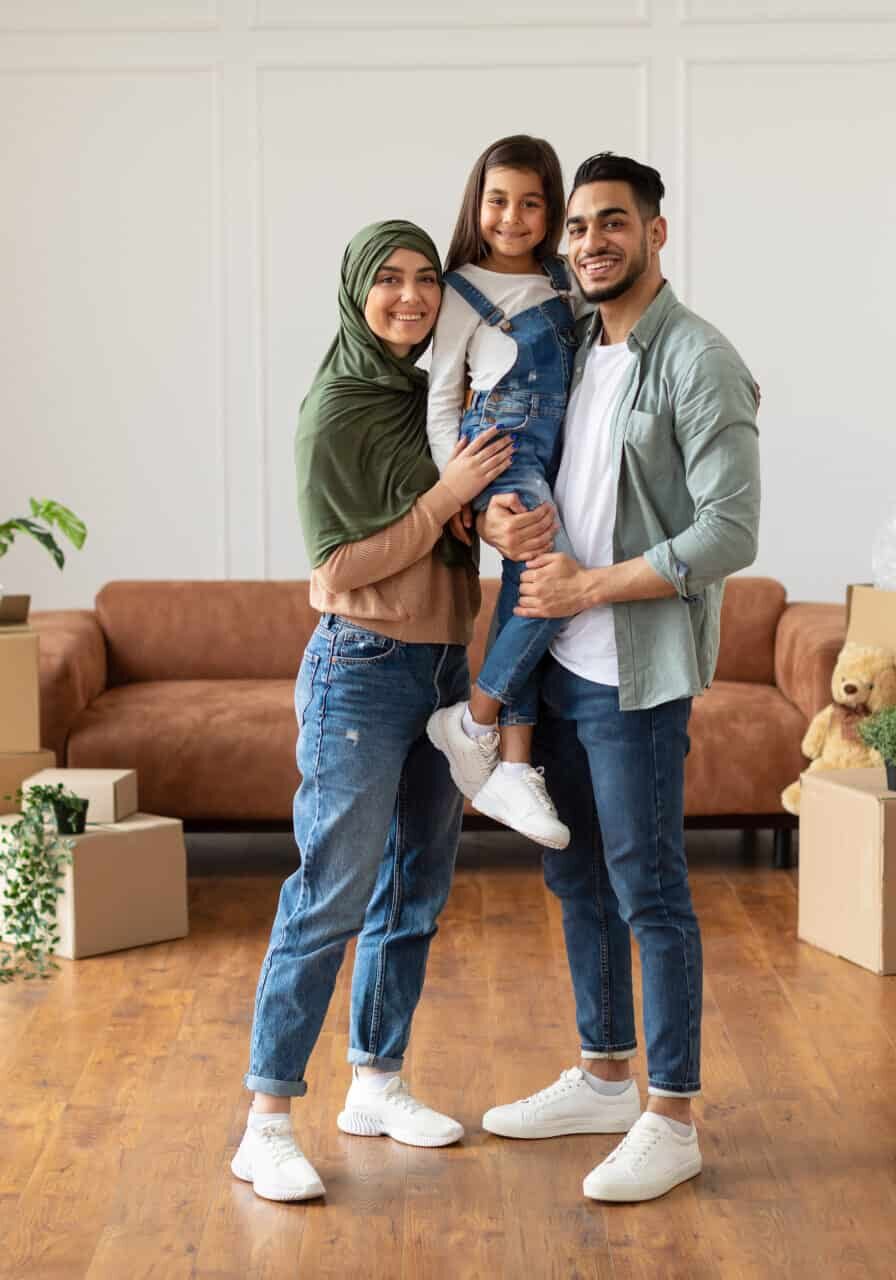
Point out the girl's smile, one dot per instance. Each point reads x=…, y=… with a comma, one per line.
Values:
x=512, y=219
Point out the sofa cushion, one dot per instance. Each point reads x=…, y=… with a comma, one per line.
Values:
x=202, y=748
x=751, y=610
x=745, y=748
x=204, y=630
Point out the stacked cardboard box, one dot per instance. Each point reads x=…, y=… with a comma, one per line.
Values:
x=20, y=749
x=127, y=882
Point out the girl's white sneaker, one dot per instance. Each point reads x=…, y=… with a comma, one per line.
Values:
x=269, y=1158
x=650, y=1160
x=521, y=801
x=470, y=760
x=394, y=1113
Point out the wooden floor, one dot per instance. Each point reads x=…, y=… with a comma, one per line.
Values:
x=123, y=1102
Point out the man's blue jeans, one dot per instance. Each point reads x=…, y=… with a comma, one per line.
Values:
x=617, y=779
x=377, y=819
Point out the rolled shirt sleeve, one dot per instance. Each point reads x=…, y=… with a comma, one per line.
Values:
x=715, y=427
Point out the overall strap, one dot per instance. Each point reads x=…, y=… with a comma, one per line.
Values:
x=490, y=314
x=557, y=270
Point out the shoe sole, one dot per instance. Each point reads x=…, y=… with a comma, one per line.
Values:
x=557, y=1131
x=439, y=741
x=493, y=812
x=244, y=1173
x=623, y=1195
x=364, y=1124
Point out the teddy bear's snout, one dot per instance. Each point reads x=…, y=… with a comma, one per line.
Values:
x=850, y=689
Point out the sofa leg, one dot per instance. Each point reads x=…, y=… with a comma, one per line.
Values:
x=783, y=848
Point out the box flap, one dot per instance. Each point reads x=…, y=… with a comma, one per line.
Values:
x=872, y=617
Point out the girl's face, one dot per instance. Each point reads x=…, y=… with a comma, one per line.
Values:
x=513, y=218
x=403, y=301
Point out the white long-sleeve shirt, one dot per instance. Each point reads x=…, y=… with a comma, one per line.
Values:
x=464, y=343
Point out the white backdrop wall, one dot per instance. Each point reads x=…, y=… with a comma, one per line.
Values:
x=180, y=178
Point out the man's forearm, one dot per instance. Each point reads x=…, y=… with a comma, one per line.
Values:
x=629, y=580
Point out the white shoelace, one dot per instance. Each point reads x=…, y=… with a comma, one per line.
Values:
x=397, y=1094
x=566, y=1083
x=280, y=1143
x=536, y=784
x=637, y=1145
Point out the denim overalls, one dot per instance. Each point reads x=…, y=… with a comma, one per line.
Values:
x=529, y=401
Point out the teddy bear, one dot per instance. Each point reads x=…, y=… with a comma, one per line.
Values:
x=864, y=681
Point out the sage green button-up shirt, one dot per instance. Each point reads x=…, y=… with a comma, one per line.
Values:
x=685, y=456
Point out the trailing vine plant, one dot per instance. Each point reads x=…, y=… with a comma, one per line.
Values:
x=33, y=859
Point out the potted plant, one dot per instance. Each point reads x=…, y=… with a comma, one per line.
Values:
x=69, y=810
x=39, y=525
x=879, y=732
x=33, y=859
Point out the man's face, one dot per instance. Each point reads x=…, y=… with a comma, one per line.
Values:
x=610, y=246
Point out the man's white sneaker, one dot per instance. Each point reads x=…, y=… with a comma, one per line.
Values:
x=470, y=760
x=521, y=801
x=570, y=1105
x=650, y=1160
x=269, y=1158
x=393, y=1112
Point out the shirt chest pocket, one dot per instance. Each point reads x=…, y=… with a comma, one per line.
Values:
x=646, y=429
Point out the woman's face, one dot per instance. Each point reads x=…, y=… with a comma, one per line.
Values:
x=404, y=300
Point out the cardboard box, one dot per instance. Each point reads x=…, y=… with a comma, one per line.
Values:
x=15, y=767
x=19, y=691
x=127, y=886
x=847, y=884
x=871, y=616
x=112, y=793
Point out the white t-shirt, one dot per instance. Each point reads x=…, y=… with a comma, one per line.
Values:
x=464, y=341
x=586, y=501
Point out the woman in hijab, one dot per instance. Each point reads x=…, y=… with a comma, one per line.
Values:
x=377, y=817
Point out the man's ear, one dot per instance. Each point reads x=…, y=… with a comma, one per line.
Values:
x=659, y=230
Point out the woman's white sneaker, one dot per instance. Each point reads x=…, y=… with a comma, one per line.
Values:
x=394, y=1113
x=570, y=1105
x=650, y=1160
x=269, y=1158
x=470, y=760
x=521, y=801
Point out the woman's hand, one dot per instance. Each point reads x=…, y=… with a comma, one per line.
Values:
x=474, y=465
x=516, y=533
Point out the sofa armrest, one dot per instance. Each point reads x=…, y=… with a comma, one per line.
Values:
x=73, y=671
x=807, y=642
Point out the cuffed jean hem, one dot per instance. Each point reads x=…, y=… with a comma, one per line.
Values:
x=686, y=1091
x=276, y=1088
x=615, y=1055
x=358, y=1058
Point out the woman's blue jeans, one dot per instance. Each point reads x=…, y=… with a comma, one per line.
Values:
x=617, y=779
x=377, y=819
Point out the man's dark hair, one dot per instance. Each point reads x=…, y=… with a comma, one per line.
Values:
x=645, y=182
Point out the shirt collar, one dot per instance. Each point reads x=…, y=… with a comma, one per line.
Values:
x=645, y=330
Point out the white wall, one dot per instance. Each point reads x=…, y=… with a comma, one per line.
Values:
x=180, y=178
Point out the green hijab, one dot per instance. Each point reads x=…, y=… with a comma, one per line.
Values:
x=362, y=457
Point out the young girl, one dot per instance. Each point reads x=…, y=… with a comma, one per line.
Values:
x=503, y=356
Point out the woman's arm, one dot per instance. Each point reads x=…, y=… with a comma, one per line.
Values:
x=448, y=376
x=387, y=552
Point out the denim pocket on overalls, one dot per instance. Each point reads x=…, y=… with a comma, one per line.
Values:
x=507, y=413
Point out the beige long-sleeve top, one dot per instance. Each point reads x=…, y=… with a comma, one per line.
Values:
x=395, y=581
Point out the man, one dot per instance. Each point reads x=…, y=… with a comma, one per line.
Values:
x=658, y=489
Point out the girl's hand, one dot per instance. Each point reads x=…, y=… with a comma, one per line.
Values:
x=460, y=524
x=475, y=465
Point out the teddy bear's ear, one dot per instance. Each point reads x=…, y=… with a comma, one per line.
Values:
x=884, y=692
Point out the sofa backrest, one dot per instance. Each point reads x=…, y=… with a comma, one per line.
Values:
x=258, y=630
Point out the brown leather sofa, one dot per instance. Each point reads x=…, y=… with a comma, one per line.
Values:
x=191, y=684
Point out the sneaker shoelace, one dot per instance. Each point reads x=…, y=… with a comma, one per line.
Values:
x=280, y=1143
x=397, y=1094
x=637, y=1145
x=567, y=1082
x=537, y=786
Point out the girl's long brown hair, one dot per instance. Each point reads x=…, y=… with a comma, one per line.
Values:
x=517, y=152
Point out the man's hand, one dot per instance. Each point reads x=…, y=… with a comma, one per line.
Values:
x=460, y=524
x=516, y=533
x=553, y=586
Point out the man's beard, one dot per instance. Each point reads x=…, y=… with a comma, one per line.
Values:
x=631, y=277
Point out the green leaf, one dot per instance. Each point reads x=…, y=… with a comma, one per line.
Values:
x=55, y=513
